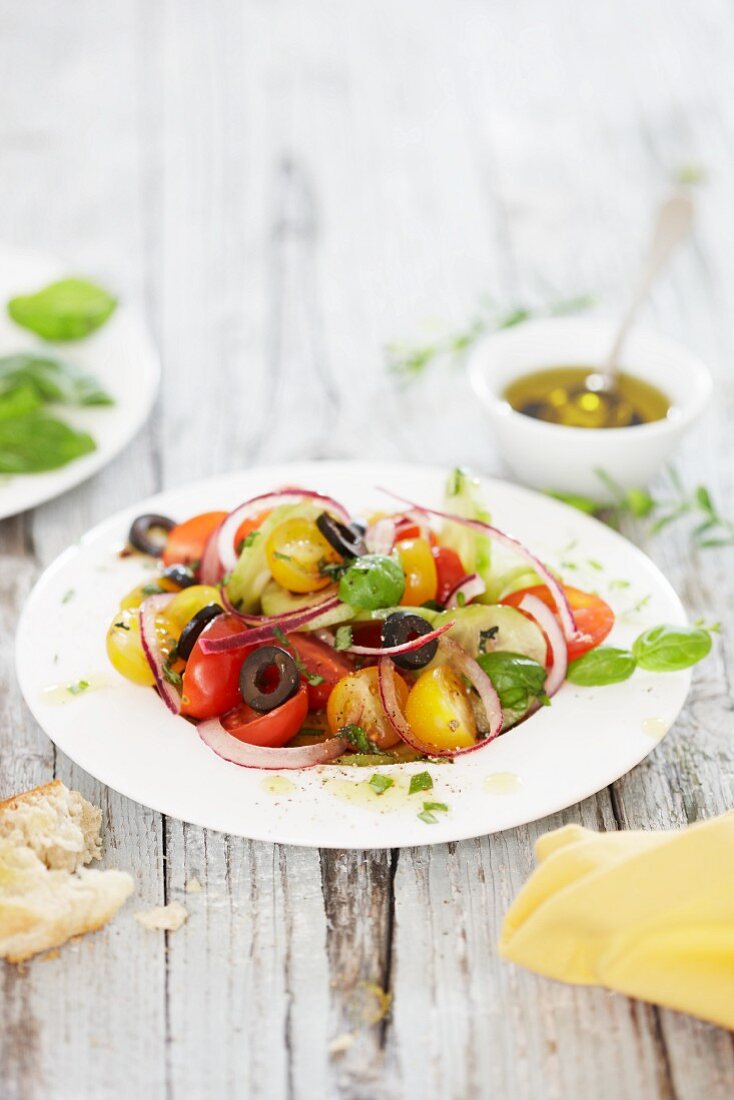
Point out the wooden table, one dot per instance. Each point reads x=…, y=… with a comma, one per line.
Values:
x=285, y=187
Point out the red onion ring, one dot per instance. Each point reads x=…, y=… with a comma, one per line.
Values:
x=149, y=610
x=471, y=585
x=548, y=623
x=404, y=647
x=380, y=536
x=227, y=550
x=476, y=676
x=210, y=569
x=230, y=748
x=568, y=621
x=256, y=634
x=262, y=620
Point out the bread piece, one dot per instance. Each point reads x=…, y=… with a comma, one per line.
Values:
x=59, y=825
x=45, y=895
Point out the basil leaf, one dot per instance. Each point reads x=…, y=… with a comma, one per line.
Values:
x=35, y=442
x=603, y=665
x=381, y=783
x=371, y=582
x=669, y=648
x=50, y=380
x=67, y=310
x=343, y=637
x=517, y=679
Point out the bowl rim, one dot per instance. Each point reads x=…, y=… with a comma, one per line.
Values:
x=686, y=412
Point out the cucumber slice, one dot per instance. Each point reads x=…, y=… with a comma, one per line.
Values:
x=515, y=633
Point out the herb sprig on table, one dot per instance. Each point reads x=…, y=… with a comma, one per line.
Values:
x=409, y=361
x=710, y=528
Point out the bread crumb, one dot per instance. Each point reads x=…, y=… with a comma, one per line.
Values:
x=193, y=886
x=342, y=1042
x=163, y=918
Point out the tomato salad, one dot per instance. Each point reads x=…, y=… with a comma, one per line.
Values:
x=294, y=634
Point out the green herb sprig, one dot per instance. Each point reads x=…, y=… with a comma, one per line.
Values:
x=665, y=648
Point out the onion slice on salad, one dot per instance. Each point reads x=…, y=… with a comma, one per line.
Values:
x=380, y=536
x=476, y=676
x=149, y=611
x=548, y=623
x=269, y=628
x=228, y=551
x=230, y=748
x=470, y=586
x=210, y=568
x=568, y=622
x=405, y=647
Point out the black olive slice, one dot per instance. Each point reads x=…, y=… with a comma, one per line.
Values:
x=141, y=534
x=269, y=677
x=404, y=626
x=182, y=575
x=347, y=541
x=194, y=627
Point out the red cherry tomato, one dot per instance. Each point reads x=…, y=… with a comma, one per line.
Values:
x=186, y=542
x=248, y=526
x=211, y=682
x=449, y=569
x=274, y=729
x=594, y=617
x=320, y=659
x=407, y=529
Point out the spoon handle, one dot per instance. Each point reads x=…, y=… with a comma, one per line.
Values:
x=674, y=222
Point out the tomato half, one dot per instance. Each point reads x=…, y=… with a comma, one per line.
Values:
x=248, y=526
x=274, y=729
x=594, y=617
x=419, y=566
x=450, y=571
x=320, y=660
x=211, y=681
x=355, y=701
x=186, y=541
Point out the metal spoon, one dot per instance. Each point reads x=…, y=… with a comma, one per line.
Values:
x=673, y=224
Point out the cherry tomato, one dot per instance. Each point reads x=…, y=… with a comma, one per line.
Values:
x=407, y=529
x=295, y=549
x=274, y=729
x=355, y=701
x=322, y=661
x=594, y=617
x=186, y=542
x=419, y=566
x=188, y=602
x=450, y=570
x=211, y=681
x=248, y=526
x=439, y=712
x=125, y=650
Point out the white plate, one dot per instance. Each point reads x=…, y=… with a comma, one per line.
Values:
x=123, y=735
x=120, y=356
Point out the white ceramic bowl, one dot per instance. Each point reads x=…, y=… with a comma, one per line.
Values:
x=552, y=456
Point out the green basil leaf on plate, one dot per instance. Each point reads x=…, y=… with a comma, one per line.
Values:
x=604, y=665
x=66, y=310
x=53, y=380
x=36, y=442
x=517, y=679
x=671, y=648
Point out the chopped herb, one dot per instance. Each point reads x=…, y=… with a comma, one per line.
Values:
x=172, y=676
x=248, y=540
x=423, y=781
x=358, y=739
x=334, y=569
x=122, y=626
x=381, y=783
x=151, y=589
x=486, y=636
x=68, y=595
x=438, y=806
x=343, y=637
x=595, y=564
x=311, y=678
x=619, y=582
x=78, y=687
x=432, y=605
x=460, y=599
x=429, y=811
x=282, y=557
x=280, y=636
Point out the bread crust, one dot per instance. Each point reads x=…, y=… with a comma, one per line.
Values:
x=16, y=800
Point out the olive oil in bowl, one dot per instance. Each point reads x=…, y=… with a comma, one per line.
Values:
x=575, y=397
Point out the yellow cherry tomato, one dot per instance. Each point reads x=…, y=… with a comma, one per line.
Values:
x=439, y=711
x=125, y=649
x=419, y=566
x=186, y=603
x=136, y=595
x=355, y=701
x=295, y=549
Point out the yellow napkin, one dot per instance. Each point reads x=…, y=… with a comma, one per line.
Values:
x=646, y=914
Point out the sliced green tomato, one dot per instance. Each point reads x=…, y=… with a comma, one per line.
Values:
x=514, y=634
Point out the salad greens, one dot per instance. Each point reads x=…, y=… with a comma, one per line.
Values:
x=49, y=380
x=517, y=679
x=35, y=442
x=660, y=649
x=69, y=309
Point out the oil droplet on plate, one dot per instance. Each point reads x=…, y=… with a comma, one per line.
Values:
x=362, y=794
x=655, y=728
x=277, y=784
x=59, y=695
x=502, y=783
